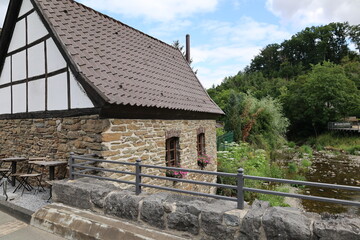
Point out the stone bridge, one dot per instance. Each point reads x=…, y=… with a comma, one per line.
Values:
x=93, y=209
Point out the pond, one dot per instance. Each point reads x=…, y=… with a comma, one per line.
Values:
x=335, y=169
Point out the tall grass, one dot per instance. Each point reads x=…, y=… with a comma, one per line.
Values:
x=255, y=163
x=336, y=141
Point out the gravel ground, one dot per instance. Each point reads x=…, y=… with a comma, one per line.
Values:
x=29, y=200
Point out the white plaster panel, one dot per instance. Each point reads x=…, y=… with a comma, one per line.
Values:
x=36, y=28
x=79, y=98
x=36, y=98
x=55, y=59
x=19, y=98
x=25, y=7
x=57, y=92
x=5, y=74
x=18, y=39
x=5, y=103
x=36, y=57
x=19, y=66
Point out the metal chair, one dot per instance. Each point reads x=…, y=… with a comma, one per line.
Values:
x=5, y=172
x=28, y=178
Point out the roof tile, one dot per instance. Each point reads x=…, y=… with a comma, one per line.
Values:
x=126, y=65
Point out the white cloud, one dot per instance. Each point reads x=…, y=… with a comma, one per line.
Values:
x=231, y=46
x=245, y=32
x=166, y=29
x=210, y=76
x=214, y=64
x=218, y=55
x=158, y=10
x=3, y=7
x=305, y=12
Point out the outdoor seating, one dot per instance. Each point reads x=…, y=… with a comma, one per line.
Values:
x=5, y=172
x=28, y=179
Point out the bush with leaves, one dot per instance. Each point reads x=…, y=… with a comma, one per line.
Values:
x=259, y=122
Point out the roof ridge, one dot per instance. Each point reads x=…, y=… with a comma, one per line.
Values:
x=119, y=22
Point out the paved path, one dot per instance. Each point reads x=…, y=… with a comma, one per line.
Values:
x=13, y=229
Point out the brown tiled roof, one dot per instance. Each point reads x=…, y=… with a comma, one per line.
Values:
x=125, y=65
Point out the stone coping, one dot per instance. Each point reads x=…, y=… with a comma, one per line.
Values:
x=202, y=218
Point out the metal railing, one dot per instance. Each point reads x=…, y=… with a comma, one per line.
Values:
x=223, y=139
x=83, y=170
x=347, y=126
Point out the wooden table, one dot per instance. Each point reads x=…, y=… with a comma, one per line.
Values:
x=14, y=161
x=51, y=165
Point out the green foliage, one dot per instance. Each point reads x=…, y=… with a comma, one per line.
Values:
x=220, y=131
x=336, y=141
x=275, y=200
x=233, y=111
x=254, y=162
x=324, y=94
x=310, y=46
x=292, y=167
x=259, y=122
x=291, y=144
x=305, y=163
x=314, y=75
x=306, y=149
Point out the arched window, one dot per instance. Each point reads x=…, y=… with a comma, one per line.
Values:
x=172, y=152
x=201, y=144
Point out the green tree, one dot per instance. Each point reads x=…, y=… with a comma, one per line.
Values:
x=260, y=122
x=233, y=112
x=324, y=94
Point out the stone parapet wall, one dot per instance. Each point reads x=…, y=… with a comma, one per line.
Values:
x=52, y=137
x=201, y=218
x=129, y=140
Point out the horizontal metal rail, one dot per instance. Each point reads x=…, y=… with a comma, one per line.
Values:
x=190, y=181
x=315, y=184
x=189, y=192
x=77, y=169
x=102, y=169
x=103, y=160
x=105, y=178
x=294, y=195
x=191, y=170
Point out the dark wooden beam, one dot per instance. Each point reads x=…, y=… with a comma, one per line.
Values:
x=95, y=95
x=30, y=79
x=134, y=112
x=52, y=114
x=8, y=29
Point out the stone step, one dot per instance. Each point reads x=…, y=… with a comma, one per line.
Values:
x=73, y=223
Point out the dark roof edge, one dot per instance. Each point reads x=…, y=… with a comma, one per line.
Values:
x=140, y=112
x=8, y=29
x=96, y=96
x=117, y=21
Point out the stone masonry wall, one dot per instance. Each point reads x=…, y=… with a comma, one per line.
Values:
x=129, y=140
x=114, y=139
x=54, y=138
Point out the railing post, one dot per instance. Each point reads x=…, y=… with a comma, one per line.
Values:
x=71, y=168
x=138, y=177
x=240, y=187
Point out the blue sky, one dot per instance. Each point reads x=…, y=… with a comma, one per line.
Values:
x=225, y=34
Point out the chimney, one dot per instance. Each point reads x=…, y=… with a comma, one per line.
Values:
x=187, y=48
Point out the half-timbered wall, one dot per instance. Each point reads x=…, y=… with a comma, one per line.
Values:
x=35, y=76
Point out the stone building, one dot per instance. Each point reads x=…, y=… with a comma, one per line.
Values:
x=73, y=79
